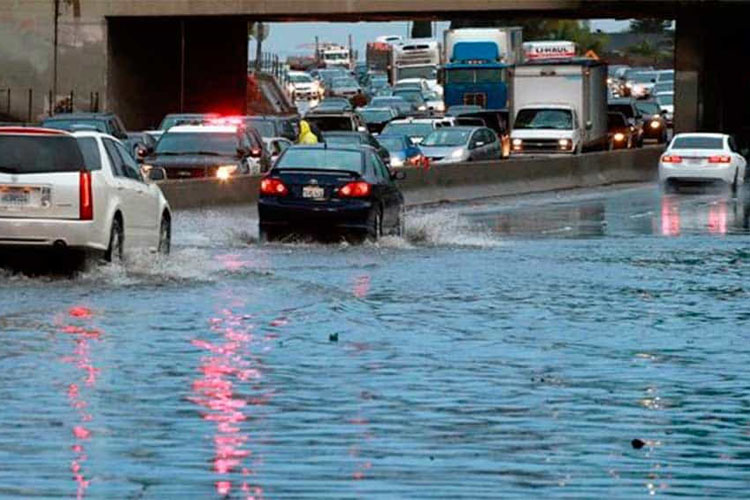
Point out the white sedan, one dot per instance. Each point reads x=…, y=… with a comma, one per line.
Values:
x=702, y=157
x=80, y=191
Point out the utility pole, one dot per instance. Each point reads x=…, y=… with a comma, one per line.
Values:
x=351, y=50
x=54, y=57
x=259, y=47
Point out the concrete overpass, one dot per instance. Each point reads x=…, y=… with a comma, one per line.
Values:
x=145, y=58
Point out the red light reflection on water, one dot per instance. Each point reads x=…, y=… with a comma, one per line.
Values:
x=717, y=218
x=81, y=336
x=670, y=217
x=230, y=372
x=361, y=286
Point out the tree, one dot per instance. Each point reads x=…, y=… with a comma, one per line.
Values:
x=649, y=26
x=650, y=51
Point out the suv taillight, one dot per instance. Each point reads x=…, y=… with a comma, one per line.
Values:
x=86, y=196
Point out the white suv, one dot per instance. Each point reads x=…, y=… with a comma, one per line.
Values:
x=81, y=191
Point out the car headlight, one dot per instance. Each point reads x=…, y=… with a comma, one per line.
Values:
x=565, y=143
x=517, y=143
x=440, y=106
x=224, y=172
x=619, y=137
x=458, y=154
x=396, y=161
x=655, y=124
x=422, y=108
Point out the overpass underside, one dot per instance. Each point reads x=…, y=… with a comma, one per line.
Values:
x=146, y=59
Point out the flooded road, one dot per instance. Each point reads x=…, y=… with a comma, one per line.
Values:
x=508, y=349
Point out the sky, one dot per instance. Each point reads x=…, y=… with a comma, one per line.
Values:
x=299, y=38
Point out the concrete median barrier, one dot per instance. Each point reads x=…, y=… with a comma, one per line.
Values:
x=459, y=182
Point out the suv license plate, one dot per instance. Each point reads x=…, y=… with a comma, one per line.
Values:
x=15, y=198
x=314, y=192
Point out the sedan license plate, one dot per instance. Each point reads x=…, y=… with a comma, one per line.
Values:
x=314, y=192
x=15, y=197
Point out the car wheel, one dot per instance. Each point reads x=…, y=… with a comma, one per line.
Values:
x=267, y=235
x=165, y=236
x=375, y=227
x=116, y=242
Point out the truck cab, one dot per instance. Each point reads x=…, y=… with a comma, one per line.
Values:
x=546, y=128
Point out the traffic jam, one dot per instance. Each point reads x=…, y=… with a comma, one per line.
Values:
x=83, y=182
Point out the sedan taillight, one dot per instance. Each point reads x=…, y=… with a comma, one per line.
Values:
x=85, y=196
x=273, y=187
x=671, y=159
x=359, y=189
x=720, y=159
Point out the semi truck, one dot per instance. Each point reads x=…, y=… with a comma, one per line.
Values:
x=559, y=105
x=477, y=64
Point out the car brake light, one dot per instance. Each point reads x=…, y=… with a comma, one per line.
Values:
x=86, y=196
x=719, y=159
x=359, y=189
x=273, y=187
x=416, y=160
x=671, y=159
x=255, y=152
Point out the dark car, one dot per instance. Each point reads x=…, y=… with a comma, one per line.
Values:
x=324, y=189
x=108, y=123
x=622, y=135
x=357, y=139
x=327, y=122
x=214, y=151
x=140, y=144
x=654, y=124
x=626, y=106
x=413, y=96
x=376, y=118
x=273, y=126
x=401, y=105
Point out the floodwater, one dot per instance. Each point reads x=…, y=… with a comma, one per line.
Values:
x=508, y=349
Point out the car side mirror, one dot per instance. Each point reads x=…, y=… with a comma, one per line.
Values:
x=155, y=174
x=399, y=175
x=477, y=144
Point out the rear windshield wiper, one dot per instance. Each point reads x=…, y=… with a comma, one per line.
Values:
x=208, y=153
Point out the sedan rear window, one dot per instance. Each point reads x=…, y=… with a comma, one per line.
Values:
x=697, y=142
x=321, y=159
x=90, y=151
x=21, y=154
x=326, y=123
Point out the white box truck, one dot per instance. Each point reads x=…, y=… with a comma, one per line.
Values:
x=559, y=106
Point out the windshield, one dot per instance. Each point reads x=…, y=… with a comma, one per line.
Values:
x=326, y=123
x=489, y=75
x=343, y=140
x=409, y=129
x=447, y=137
x=323, y=159
x=185, y=143
x=392, y=143
x=426, y=72
x=335, y=56
x=300, y=78
x=379, y=81
x=697, y=142
x=390, y=102
x=413, y=96
x=375, y=116
x=625, y=109
x=264, y=127
x=644, y=77
x=75, y=124
x=557, y=119
x=408, y=86
x=633, y=71
x=667, y=76
x=344, y=82
x=616, y=120
x=39, y=154
x=665, y=100
x=647, y=108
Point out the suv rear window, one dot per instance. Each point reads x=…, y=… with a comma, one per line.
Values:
x=22, y=154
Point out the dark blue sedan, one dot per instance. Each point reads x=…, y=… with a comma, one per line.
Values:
x=324, y=190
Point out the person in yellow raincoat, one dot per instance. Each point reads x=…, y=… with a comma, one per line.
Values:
x=305, y=134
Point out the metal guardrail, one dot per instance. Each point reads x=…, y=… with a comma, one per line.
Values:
x=273, y=65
